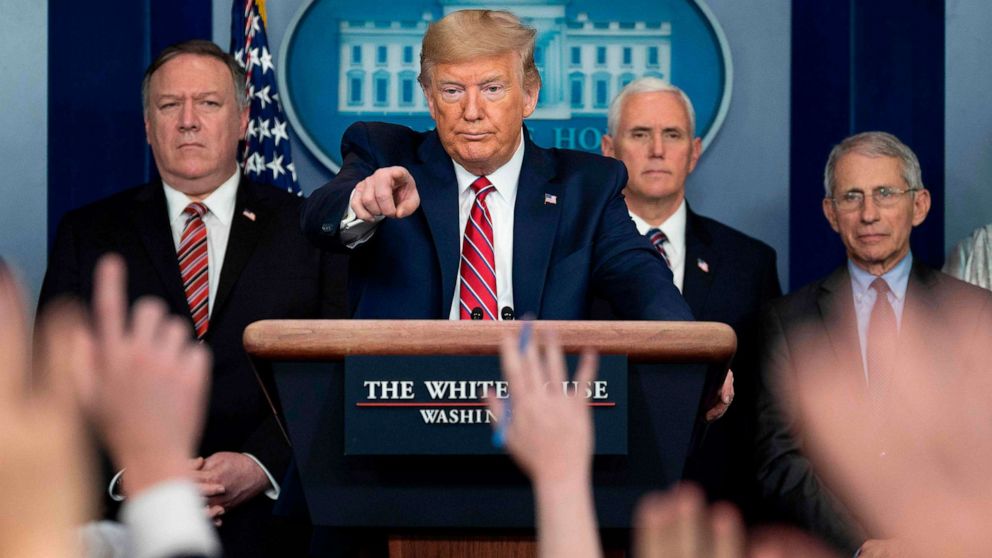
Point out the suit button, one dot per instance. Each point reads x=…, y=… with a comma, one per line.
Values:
x=327, y=227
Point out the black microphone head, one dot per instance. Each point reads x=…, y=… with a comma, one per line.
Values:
x=506, y=313
x=477, y=313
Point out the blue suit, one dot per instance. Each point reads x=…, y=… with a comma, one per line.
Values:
x=582, y=243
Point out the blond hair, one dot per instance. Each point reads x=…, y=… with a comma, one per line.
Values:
x=467, y=34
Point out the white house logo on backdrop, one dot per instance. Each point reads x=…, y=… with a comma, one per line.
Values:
x=344, y=63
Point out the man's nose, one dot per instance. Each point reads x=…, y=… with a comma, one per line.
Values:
x=869, y=211
x=188, y=119
x=657, y=146
x=472, y=109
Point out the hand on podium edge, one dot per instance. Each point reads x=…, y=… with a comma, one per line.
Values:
x=726, y=397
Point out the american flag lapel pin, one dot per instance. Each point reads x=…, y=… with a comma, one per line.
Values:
x=703, y=265
x=550, y=199
x=249, y=214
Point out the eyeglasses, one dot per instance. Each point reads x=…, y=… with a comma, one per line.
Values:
x=883, y=196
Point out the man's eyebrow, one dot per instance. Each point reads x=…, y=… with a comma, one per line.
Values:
x=491, y=78
x=199, y=95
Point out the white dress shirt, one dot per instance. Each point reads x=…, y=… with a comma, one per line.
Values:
x=674, y=229
x=220, y=202
x=165, y=520
x=501, y=203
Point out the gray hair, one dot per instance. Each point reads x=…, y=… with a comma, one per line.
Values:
x=647, y=84
x=199, y=47
x=874, y=144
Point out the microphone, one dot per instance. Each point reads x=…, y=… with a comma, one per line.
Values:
x=477, y=313
x=507, y=313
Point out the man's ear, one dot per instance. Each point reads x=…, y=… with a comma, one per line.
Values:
x=606, y=146
x=697, y=151
x=830, y=212
x=530, y=100
x=430, y=101
x=921, y=206
x=243, y=124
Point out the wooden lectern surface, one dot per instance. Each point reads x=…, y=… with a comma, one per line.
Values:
x=641, y=341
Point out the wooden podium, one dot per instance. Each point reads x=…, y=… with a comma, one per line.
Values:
x=481, y=504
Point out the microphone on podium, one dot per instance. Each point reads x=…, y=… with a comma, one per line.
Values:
x=507, y=313
x=477, y=313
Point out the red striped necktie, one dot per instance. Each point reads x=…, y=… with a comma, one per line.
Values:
x=193, y=266
x=658, y=238
x=478, y=267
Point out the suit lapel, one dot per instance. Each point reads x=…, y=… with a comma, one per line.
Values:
x=534, y=226
x=151, y=219
x=241, y=241
x=836, y=304
x=438, y=188
x=696, y=282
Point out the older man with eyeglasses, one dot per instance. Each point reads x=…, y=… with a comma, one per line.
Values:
x=875, y=315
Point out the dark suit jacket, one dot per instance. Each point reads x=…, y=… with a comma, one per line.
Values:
x=563, y=251
x=269, y=271
x=741, y=276
x=742, y=279
x=814, y=331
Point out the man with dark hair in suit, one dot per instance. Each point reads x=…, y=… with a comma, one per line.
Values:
x=473, y=220
x=223, y=252
x=724, y=275
x=878, y=314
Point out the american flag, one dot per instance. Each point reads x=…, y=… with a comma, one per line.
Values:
x=266, y=156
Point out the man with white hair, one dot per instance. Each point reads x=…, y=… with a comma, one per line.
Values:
x=876, y=316
x=724, y=275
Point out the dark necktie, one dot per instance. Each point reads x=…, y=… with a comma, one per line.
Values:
x=193, y=268
x=478, y=266
x=658, y=238
x=882, y=339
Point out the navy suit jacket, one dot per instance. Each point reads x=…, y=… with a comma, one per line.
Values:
x=583, y=242
x=270, y=271
x=814, y=331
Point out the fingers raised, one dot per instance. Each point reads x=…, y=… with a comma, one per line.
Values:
x=110, y=298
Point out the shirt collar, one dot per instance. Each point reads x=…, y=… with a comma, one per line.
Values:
x=897, y=277
x=505, y=178
x=673, y=227
x=220, y=202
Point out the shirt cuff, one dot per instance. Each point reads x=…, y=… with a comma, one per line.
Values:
x=114, y=488
x=354, y=231
x=273, y=492
x=168, y=520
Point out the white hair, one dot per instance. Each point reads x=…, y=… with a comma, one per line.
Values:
x=647, y=84
x=874, y=144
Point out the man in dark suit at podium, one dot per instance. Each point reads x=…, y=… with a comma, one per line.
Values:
x=223, y=252
x=472, y=219
x=879, y=313
x=724, y=275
